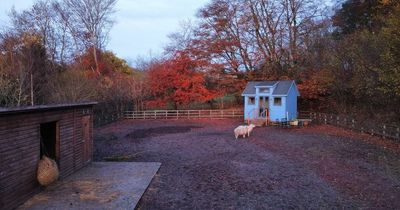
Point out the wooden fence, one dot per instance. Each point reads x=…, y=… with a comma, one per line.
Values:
x=369, y=127
x=184, y=114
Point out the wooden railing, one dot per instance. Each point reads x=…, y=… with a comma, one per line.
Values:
x=369, y=127
x=305, y=115
x=184, y=114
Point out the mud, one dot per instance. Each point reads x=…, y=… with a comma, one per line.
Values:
x=204, y=167
x=157, y=131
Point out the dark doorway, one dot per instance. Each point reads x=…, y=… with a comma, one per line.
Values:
x=49, y=143
x=263, y=106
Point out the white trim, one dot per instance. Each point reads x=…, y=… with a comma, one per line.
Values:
x=297, y=90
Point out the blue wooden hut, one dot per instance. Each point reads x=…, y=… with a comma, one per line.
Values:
x=274, y=101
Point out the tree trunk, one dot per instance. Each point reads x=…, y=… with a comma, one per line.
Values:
x=96, y=60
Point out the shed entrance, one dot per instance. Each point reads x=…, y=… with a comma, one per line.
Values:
x=50, y=143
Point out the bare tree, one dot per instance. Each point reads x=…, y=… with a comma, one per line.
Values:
x=93, y=19
x=17, y=63
x=245, y=35
x=298, y=16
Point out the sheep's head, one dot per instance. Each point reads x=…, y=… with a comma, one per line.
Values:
x=252, y=126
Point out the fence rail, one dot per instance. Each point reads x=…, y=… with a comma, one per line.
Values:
x=184, y=114
x=383, y=130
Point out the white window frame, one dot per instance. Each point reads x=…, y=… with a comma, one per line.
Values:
x=266, y=90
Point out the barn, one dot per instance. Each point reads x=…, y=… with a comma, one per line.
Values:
x=274, y=101
x=63, y=132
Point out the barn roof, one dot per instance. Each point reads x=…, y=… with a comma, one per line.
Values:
x=6, y=111
x=281, y=86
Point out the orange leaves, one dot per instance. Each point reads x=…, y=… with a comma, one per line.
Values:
x=309, y=90
x=316, y=86
x=177, y=82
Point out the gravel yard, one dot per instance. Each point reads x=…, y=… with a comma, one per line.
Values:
x=204, y=167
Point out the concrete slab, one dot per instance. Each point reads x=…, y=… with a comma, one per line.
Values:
x=101, y=185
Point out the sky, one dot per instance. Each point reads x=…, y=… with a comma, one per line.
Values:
x=141, y=27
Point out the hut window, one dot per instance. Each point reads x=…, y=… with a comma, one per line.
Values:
x=264, y=90
x=277, y=101
x=252, y=101
x=49, y=142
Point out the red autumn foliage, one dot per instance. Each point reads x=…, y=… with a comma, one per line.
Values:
x=316, y=86
x=310, y=90
x=177, y=82
x=88, y=63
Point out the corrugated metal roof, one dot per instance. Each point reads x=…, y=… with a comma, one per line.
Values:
x=5, y=111
x=282, y=86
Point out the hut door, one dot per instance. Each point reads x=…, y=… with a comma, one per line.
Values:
x=263, y=105
x=87, y=155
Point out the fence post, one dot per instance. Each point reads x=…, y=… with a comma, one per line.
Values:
x=397, y=133
x=177, y=115
x=155, y=114
x=384, y=131
x=352, y=124
x=188, y=114
x=166, y=114
x=325, y=119
x=362, y=129
x=337, y=120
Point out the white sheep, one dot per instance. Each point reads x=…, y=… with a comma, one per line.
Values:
x=242, y=130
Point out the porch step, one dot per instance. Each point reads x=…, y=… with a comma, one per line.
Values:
x=258, y=122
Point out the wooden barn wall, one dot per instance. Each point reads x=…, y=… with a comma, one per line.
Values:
x=20, y=150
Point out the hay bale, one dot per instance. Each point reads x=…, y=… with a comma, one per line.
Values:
x=47, y=171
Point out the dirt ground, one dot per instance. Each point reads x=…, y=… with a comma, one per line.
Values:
x=204, y=167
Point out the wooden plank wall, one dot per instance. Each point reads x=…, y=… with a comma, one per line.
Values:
x=20, y=150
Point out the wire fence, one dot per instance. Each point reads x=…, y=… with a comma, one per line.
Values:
x=105, y=115
x=366, y=126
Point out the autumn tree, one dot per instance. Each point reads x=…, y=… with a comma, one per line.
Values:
x=176, y=82
x=355, y=15
x=24, y=63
